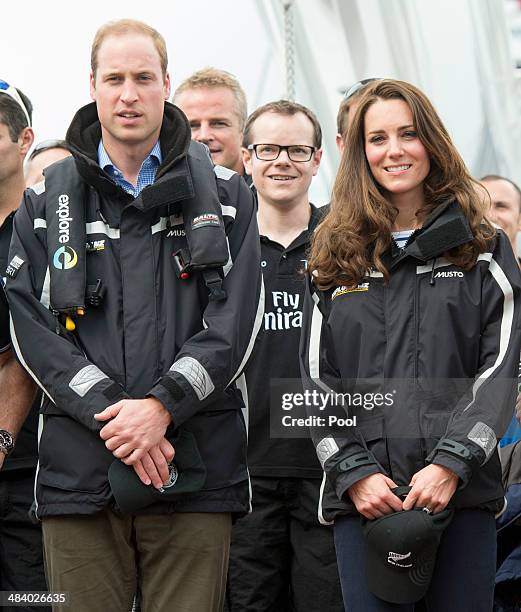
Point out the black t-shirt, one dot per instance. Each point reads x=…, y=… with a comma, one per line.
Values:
x=276, y=355
x=25, y=454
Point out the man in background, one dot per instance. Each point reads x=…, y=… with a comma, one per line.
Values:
x=21, y=563
x=347, y=109
x=215, y=105
x=281, y=557
x=505, y=205
x=43, y=155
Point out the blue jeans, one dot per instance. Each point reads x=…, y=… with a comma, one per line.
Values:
x=463, y=579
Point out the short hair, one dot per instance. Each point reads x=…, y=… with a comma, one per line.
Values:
x=124, y=26
x=343, y=111
x=12, y=114
x=352, y=94
x=46, y=145
x=496, y=177
x=214, y=77
x=283, y=107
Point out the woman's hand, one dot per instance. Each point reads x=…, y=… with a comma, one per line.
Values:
x=373, y=498
x=432, y=488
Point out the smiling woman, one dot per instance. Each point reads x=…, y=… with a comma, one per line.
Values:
x=404, y=206
x=398, y=167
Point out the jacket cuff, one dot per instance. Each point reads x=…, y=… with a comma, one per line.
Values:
x=343, y=482
x=459, y=466
x=351, y=468
x=462, y=459
x=83, y=403
x=177, y=397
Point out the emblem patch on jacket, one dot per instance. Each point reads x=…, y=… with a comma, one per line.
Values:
x=95, y=245
x=326, y=448
x=484, y=436
x=14, y=266
x=206, y=219
x=343, y=290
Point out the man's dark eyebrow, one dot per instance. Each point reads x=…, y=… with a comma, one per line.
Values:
x=110, y=74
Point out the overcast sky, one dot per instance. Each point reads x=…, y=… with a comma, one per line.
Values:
x=45, y=47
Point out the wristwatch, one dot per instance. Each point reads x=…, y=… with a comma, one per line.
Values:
x=6, y=442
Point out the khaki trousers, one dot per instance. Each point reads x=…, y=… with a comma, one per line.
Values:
x=181, y=560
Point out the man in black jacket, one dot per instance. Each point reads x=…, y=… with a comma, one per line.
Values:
x=136, y=340
x=281, y=557
x=21, y=561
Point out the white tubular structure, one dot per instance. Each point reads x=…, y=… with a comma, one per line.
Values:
x=457, y=52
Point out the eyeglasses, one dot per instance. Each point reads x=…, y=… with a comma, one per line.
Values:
x=12, y=93
x=270, y=152
x=358, y=86
x=48, y=144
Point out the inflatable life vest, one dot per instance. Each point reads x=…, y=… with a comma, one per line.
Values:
x=66, y=191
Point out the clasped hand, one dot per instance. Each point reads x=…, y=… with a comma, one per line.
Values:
x=135, y=434
x=432, y=488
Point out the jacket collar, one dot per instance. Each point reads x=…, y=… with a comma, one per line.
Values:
x=84, y=135
x=444, y=229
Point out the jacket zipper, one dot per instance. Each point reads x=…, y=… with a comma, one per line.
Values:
x=384, y=289
x=416, y=336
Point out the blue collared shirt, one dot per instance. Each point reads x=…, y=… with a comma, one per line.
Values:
x=146, y=175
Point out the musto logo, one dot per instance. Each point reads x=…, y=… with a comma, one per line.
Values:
x=65, y=258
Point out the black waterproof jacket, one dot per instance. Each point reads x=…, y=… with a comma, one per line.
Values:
x=153, y=334
x=443, y=342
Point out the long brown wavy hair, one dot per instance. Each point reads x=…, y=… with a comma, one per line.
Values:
x=357, y=231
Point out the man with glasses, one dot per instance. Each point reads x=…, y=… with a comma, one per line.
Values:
x=21, y=564
x=281, y=557
x=43, y=155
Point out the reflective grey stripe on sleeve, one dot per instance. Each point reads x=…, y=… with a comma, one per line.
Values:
x=321, y=518
x=223, y=173
x=45, y=298
x=314, y=346
x=507, y=321
x=196, y=375
x=259, y=318
x=162, y=224
x=99, y=227
x=229, y=211
x=229, y=264
x=16, y=347
x=441, y=262
x=484, y=436
x=85, y=379
x=242, y=385
x=326, y=448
